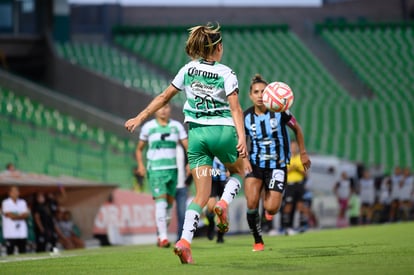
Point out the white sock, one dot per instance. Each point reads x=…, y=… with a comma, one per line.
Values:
x=192, y=218
x=233, y=186
x=161, y=219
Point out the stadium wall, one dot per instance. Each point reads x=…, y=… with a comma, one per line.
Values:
x=94, y=21
x=383, y=10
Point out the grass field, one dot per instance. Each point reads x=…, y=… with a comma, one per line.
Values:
x=382, y=249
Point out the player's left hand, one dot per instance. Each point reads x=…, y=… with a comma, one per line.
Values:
x=187, y=170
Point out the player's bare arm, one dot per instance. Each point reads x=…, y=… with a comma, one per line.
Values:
x=295, y=126
x=159, y=101
x=237, y=114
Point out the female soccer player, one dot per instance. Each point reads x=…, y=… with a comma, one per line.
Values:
x=161, y=136
x=269, y=154
x=216, y=127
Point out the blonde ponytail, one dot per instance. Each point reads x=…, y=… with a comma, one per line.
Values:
x=203, y=40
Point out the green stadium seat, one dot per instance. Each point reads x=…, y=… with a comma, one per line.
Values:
x=382, y=58
x=114, y=64
x=43, y=140
x=57, y=170
x=5, y=125
x=7, y=156
x=375, y=55
x=15, y=143
x=23, y=130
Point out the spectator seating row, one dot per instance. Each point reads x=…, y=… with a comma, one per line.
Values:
x=333, y=121
x=113, y=63
x=43, y=140
x=382, y=58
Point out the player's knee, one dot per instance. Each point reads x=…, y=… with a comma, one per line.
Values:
x=273, y=208
x=273, y=211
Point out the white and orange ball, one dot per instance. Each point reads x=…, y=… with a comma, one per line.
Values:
x=278, y=97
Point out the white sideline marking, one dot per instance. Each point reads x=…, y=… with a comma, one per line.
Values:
x=21, y=259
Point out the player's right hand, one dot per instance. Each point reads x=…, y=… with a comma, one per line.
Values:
x=242, y=149
x=247, y=166
x=131, y=124
x=142, y=171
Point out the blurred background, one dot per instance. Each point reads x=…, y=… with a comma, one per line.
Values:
x=71, y=73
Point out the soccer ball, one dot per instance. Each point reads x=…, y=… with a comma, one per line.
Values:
x=277, y=97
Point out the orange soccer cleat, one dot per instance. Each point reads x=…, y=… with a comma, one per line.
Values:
x=183, y=250
x=221, y=211
x=258, y=247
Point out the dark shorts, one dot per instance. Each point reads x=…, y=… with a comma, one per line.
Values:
x=294, y=192
x=11, y=243
x=273, y=179
x=217, y=188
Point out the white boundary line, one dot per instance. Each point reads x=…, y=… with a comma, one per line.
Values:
x=21, y=259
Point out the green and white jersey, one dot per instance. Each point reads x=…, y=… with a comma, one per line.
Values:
x=207, y=85
x=162, y=143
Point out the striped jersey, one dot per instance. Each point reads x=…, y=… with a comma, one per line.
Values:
x=269, y=138
x=162, y=143
x=207, y=85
